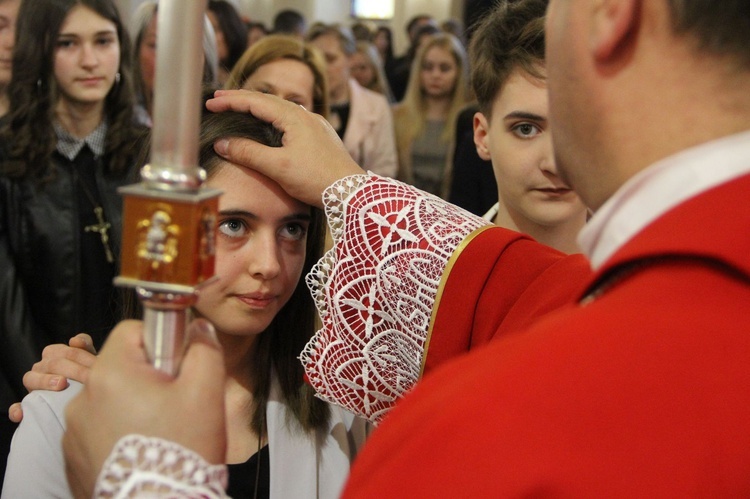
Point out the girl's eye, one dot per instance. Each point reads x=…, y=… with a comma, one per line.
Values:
x=64, y=43
x=105, y=41
x=233, y=227
x=526, y=130
x=294, y=231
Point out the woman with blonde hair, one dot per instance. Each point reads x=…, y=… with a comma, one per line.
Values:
x=425, y=119
x=284, y=66
x=366, y=67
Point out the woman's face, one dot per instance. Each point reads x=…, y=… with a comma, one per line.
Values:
x=260, y=251
x=361, y=69
x=438, y=73
x=381, y=41
x=254, y=34
x=337, y=62
x=87, y=56
x=289, y=79
x=147, y=55
x=221, y=44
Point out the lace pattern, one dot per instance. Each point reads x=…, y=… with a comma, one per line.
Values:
x=141, y=466
x=376, y=287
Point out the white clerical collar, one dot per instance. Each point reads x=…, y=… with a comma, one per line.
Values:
x=660, y=187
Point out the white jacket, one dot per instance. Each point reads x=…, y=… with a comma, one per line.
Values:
x=369, y=135
x=303, y=465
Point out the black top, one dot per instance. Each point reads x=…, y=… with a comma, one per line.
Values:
x=242, y=477
x=100, y=303
x=473, y=186
x=342, y=111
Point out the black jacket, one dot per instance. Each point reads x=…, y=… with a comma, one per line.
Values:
x=42, y=297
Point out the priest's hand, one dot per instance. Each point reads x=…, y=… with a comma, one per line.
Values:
x=311, y=158
x=126, y=395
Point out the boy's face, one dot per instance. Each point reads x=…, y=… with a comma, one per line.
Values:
x=517, y=141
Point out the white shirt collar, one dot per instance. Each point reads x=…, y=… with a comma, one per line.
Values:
x=69, y=146
x=660, y=187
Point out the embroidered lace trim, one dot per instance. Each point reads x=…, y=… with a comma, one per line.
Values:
x=141, y=466
x=376, y=287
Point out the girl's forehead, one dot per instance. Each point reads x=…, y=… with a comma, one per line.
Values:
x=81, y=15
x=438, y=52
x=245, y=187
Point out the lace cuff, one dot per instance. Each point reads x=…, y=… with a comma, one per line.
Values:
x=376, y=287
x=141, y=466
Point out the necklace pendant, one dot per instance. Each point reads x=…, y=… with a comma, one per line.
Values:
x=102, y=228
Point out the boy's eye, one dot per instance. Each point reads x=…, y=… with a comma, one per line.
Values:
x=526, y=130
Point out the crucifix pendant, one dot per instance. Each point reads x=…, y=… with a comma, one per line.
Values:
x=102, y=229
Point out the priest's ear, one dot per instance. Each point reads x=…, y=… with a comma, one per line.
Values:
x=613, y=28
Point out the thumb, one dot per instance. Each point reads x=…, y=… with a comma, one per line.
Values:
x=203, y=362
x=200, y=386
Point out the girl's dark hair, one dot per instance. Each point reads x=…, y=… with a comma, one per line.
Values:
x=235, y=31
x=280, y=345
x=388, y=58
x=29, y=133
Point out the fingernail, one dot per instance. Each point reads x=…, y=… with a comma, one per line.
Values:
x=54, y=382
x=221, y=147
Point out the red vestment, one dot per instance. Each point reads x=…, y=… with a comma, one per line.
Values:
x=377, y=290
x=641, y=389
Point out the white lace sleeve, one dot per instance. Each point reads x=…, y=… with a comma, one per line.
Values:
x=376, y=287
x=141, y=466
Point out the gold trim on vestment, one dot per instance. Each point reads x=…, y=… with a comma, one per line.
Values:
x=448, y=268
